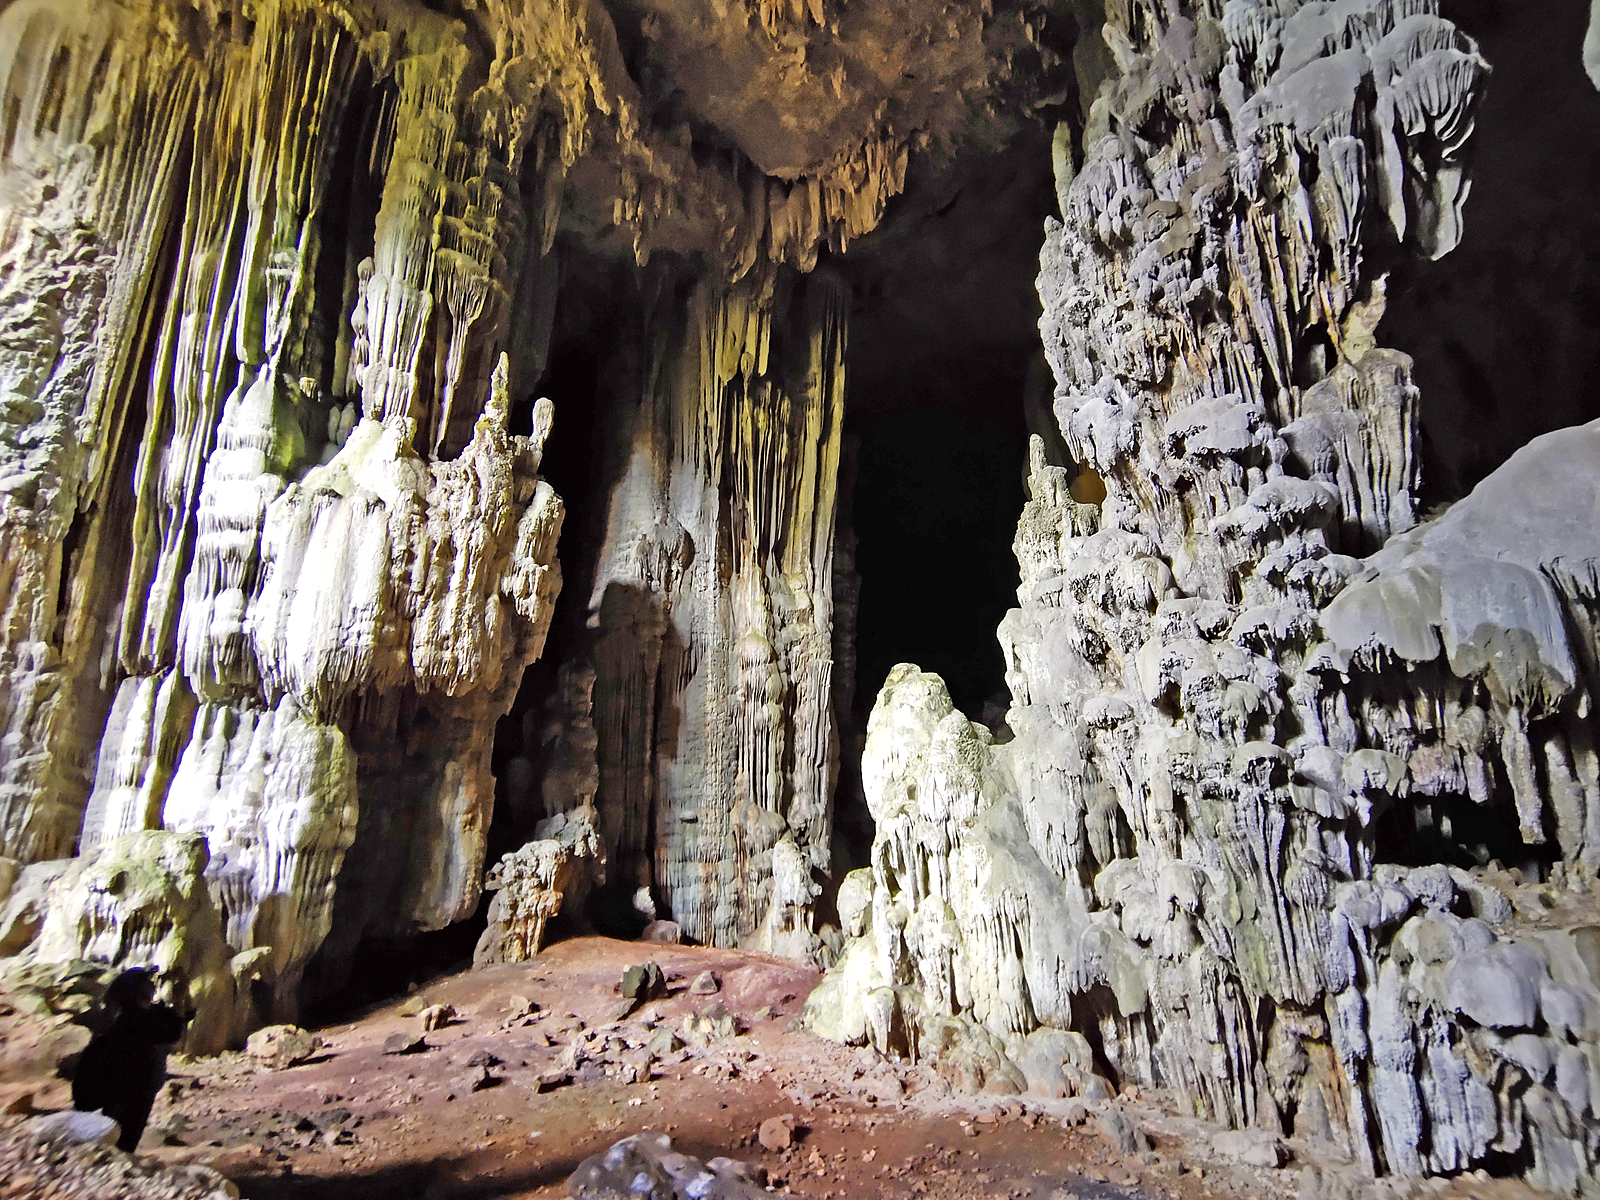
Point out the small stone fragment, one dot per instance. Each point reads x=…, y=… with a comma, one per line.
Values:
x=664, y=933
x=552, y=1079
x=705, y=984
x=712, y=1025
x=404, y=1043
x=777, y=1133
x=84, y=1127
x=663, y=1041
x=642, y=982
x=282, y=1046
x=1120, y=1133
x=436, y=1016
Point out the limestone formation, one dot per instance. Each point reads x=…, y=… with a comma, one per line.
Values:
x=706, y=683
x=274, y=561
x=532, y=883
x=276, y=282
x=646, y=1164
x=1247, y=838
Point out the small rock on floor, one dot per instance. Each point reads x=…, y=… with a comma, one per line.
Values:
x=403, y=1043
x=777, y=1133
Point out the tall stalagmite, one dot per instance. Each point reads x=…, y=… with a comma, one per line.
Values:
x=1240, y=844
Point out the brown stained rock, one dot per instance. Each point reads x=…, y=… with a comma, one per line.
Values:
x=281, y=1046
x=777, y=1133
x=436, y=1016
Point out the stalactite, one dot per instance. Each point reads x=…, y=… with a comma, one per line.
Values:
x=712, y=610
x=1232, y=735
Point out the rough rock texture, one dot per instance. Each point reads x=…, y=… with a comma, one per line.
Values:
x=707, y=677
x=276, y=282
x=49, y=1164
x=533, y=882
x=1241, y=841
x=274, y=561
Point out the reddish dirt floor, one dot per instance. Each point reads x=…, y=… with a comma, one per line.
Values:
x=545, y=1064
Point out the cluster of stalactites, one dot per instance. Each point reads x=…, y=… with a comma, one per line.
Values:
x=289, y=571
x=1216, y=705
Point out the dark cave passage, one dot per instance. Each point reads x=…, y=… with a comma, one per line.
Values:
x=938, y=490
x=1505, y=329
x=944, y=327
x=943, y=347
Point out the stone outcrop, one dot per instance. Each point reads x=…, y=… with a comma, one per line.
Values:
x=700, y=707
x=646, y=1163
x=1273, y=742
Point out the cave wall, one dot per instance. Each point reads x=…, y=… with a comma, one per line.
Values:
x=1296, y=807
x=695, y=718
x=1297, y=817
x=273, y=551
x=279, y=281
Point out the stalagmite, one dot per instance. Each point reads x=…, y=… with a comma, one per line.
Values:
x=1226, y=720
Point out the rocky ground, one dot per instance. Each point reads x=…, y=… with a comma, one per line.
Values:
x=499, y=1083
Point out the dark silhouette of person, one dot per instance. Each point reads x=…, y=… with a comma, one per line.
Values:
x=120, y=1072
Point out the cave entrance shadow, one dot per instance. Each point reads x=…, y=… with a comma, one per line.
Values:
x=642, y=666
x=443, y=1178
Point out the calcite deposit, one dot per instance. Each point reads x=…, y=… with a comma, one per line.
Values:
x=1296, y=807
x=708, y=668
x=1292, y=813
x=275, y=561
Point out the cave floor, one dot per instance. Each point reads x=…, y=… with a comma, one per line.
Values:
x=355, y=1123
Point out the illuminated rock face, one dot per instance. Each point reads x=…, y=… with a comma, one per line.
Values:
x=1263, y=722
x=276, y=280
x=275, y=562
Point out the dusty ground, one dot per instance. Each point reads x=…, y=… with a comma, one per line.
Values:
x=465, y=1119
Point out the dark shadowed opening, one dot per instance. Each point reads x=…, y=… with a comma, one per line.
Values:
x=1505, y=329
